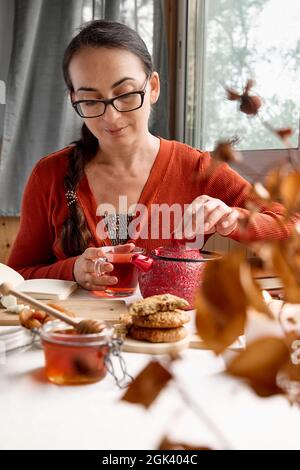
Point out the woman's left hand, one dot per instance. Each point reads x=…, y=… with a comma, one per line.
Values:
x=208, y=215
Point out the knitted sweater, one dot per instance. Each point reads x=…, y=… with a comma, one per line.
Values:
x=179, y=174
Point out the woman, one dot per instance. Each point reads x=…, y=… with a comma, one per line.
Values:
x=112, y=85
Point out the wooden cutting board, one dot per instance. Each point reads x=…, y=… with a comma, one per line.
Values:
x=110, y=310
x=192, y=341
x=100, y=309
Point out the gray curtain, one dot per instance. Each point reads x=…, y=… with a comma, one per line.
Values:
x=160, y=113
x=7, y=8
x=38, y=117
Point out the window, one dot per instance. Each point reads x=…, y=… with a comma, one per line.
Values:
x=229, y=41
x=138, y=14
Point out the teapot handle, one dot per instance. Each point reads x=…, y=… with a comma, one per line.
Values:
x=143, y=263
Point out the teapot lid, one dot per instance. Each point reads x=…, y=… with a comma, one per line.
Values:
x=178, y=251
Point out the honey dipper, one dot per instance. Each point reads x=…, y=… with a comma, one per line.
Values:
x=83, y=327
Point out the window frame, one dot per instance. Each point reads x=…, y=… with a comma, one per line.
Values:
x=260, y=160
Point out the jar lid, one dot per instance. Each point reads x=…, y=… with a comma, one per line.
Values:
x=59, y=332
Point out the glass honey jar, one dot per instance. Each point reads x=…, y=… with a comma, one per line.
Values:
x=73, y=359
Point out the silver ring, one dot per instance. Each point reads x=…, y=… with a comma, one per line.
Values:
x=99, y=264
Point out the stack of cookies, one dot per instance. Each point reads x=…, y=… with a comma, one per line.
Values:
x=159, y=319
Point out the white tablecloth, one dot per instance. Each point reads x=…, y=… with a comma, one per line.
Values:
x=35, y=414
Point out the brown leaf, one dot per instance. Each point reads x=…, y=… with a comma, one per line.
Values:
x=291, y=372
x=259, y=365
x=250, y=84
x=220, y=312
x=250, y=104
x=253, y=291
x=283, y=259
x=286, y=267
x=284, y=133
x=273, y=182
x=224, y=152
x=148, y=384
x=166, y=444
x=290, y=191
x=217, y=329
x=232, y=95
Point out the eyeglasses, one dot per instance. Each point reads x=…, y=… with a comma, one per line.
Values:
x=122, y=103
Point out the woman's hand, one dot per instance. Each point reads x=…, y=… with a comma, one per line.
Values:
x=84, y=268
x=207, y=215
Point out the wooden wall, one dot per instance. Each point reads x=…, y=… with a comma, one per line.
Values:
x=9, y=227
x=8, y=231
x=224, y=245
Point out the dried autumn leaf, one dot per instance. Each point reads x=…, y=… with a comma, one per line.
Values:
x=232, y=95
x=250, y=104
x=220, y=312
x=294, y=250
x=166, y=444
x=217, y=329
x=224, y=152
x=273, y=182
x=290, y=191
x=291, y=372
x=284, y=133
x=259, y=365
x=250, y=84
x=284, y=265
x=253, y=292
x=148, y=384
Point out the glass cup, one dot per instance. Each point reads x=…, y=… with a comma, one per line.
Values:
x=124, y=270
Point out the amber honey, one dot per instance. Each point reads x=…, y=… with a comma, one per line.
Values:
x=73, y=359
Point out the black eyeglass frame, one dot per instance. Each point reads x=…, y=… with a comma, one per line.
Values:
x=111, y=101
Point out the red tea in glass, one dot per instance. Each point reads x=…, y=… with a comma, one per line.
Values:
x=124, y=270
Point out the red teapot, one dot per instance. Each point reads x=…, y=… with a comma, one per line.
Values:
x=174, y=269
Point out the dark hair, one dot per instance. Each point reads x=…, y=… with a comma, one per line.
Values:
x=76, y=236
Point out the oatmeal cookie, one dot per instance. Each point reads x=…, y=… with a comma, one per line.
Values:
x=157, y=303
x=158, y=335
x=162, y=319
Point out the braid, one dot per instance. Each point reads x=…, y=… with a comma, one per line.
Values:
x=75, y=233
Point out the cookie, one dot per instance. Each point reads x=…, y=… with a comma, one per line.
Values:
x=162, y=319
x=126, y=319
x=157, y=303
x=158, y=335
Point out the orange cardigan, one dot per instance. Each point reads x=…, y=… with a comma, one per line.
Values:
x=178, y=176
